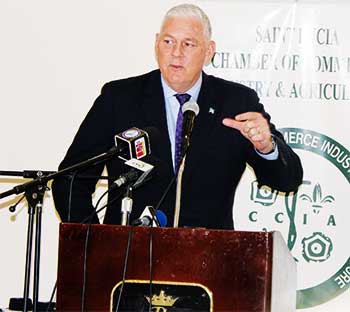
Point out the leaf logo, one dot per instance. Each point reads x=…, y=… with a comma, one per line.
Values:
x=317, y=200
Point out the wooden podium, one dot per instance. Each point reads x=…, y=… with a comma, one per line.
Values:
x=192, y=270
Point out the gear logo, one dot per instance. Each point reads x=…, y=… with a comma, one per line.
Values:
x=264, y=196
x=317, y=247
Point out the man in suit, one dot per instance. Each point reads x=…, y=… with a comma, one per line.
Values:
x=231, y=130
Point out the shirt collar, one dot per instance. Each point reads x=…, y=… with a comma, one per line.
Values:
x=193, y=92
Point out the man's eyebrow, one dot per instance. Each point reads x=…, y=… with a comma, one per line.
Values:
x=191, y=39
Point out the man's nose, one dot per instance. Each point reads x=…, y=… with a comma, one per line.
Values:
x=177, y=50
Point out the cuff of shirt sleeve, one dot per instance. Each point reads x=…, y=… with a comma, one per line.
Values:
x=272, y=155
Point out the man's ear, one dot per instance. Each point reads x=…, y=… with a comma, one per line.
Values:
x=156, y=44
x=210, y=52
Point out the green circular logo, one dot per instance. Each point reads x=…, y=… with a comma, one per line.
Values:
x=313, y=220
x=318, y=247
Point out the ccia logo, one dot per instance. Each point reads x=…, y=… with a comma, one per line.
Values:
x=313, y=219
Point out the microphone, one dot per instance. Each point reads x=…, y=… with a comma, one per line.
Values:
x=131, y=143
x=162, y=218
x=190, y=110
x=151, y=217
x=139, y=173
x=126, y=178
x=135, y=143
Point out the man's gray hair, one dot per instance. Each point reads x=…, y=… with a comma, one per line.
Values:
x=191, y=10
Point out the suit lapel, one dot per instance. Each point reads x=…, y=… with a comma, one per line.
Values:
x=153, y=108
x=203, y=127
x=154, y=114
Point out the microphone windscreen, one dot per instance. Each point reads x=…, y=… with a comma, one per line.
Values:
x=132, y=143
x=162, y=218
x=190, y=106
x=136, y=143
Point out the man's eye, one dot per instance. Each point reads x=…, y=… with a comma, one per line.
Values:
x=189, y=44
x=168, y=41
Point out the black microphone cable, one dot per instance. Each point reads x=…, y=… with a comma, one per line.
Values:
x=165, y=193
x=72, y=177
x=126, y=258
x=51, y=299
x=89, y=218
x=153, y=133
x=150, y=290
x=112, y=201
x=83, y=291
x=95, y=211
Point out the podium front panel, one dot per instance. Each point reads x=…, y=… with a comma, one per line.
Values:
x=235, y=267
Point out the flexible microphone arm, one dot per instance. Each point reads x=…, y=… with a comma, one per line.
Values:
x=31, y=174
x=190, y=110
x=121, y=149
x=42, y=180
x=25, y=173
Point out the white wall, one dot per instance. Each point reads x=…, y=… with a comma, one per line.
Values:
x=54, y=58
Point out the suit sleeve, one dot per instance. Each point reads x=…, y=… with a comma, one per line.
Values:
x=73, y=198
x=285, y=173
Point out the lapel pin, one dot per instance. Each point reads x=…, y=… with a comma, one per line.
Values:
x=211, y=110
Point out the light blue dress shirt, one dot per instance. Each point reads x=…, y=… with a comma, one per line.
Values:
x=172, y=107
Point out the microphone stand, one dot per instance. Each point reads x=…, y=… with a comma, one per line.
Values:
x=34, y=192
x=178, y=193
x=34, y=196
x=126, y=205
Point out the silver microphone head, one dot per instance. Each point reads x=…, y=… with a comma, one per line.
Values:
x=190, y=106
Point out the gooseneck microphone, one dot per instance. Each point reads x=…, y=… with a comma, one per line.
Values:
x=190, y=110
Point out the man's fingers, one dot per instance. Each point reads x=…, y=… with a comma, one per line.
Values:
x=229, y=122
x=247, y=116
x=260, y=135
x=255, y=128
